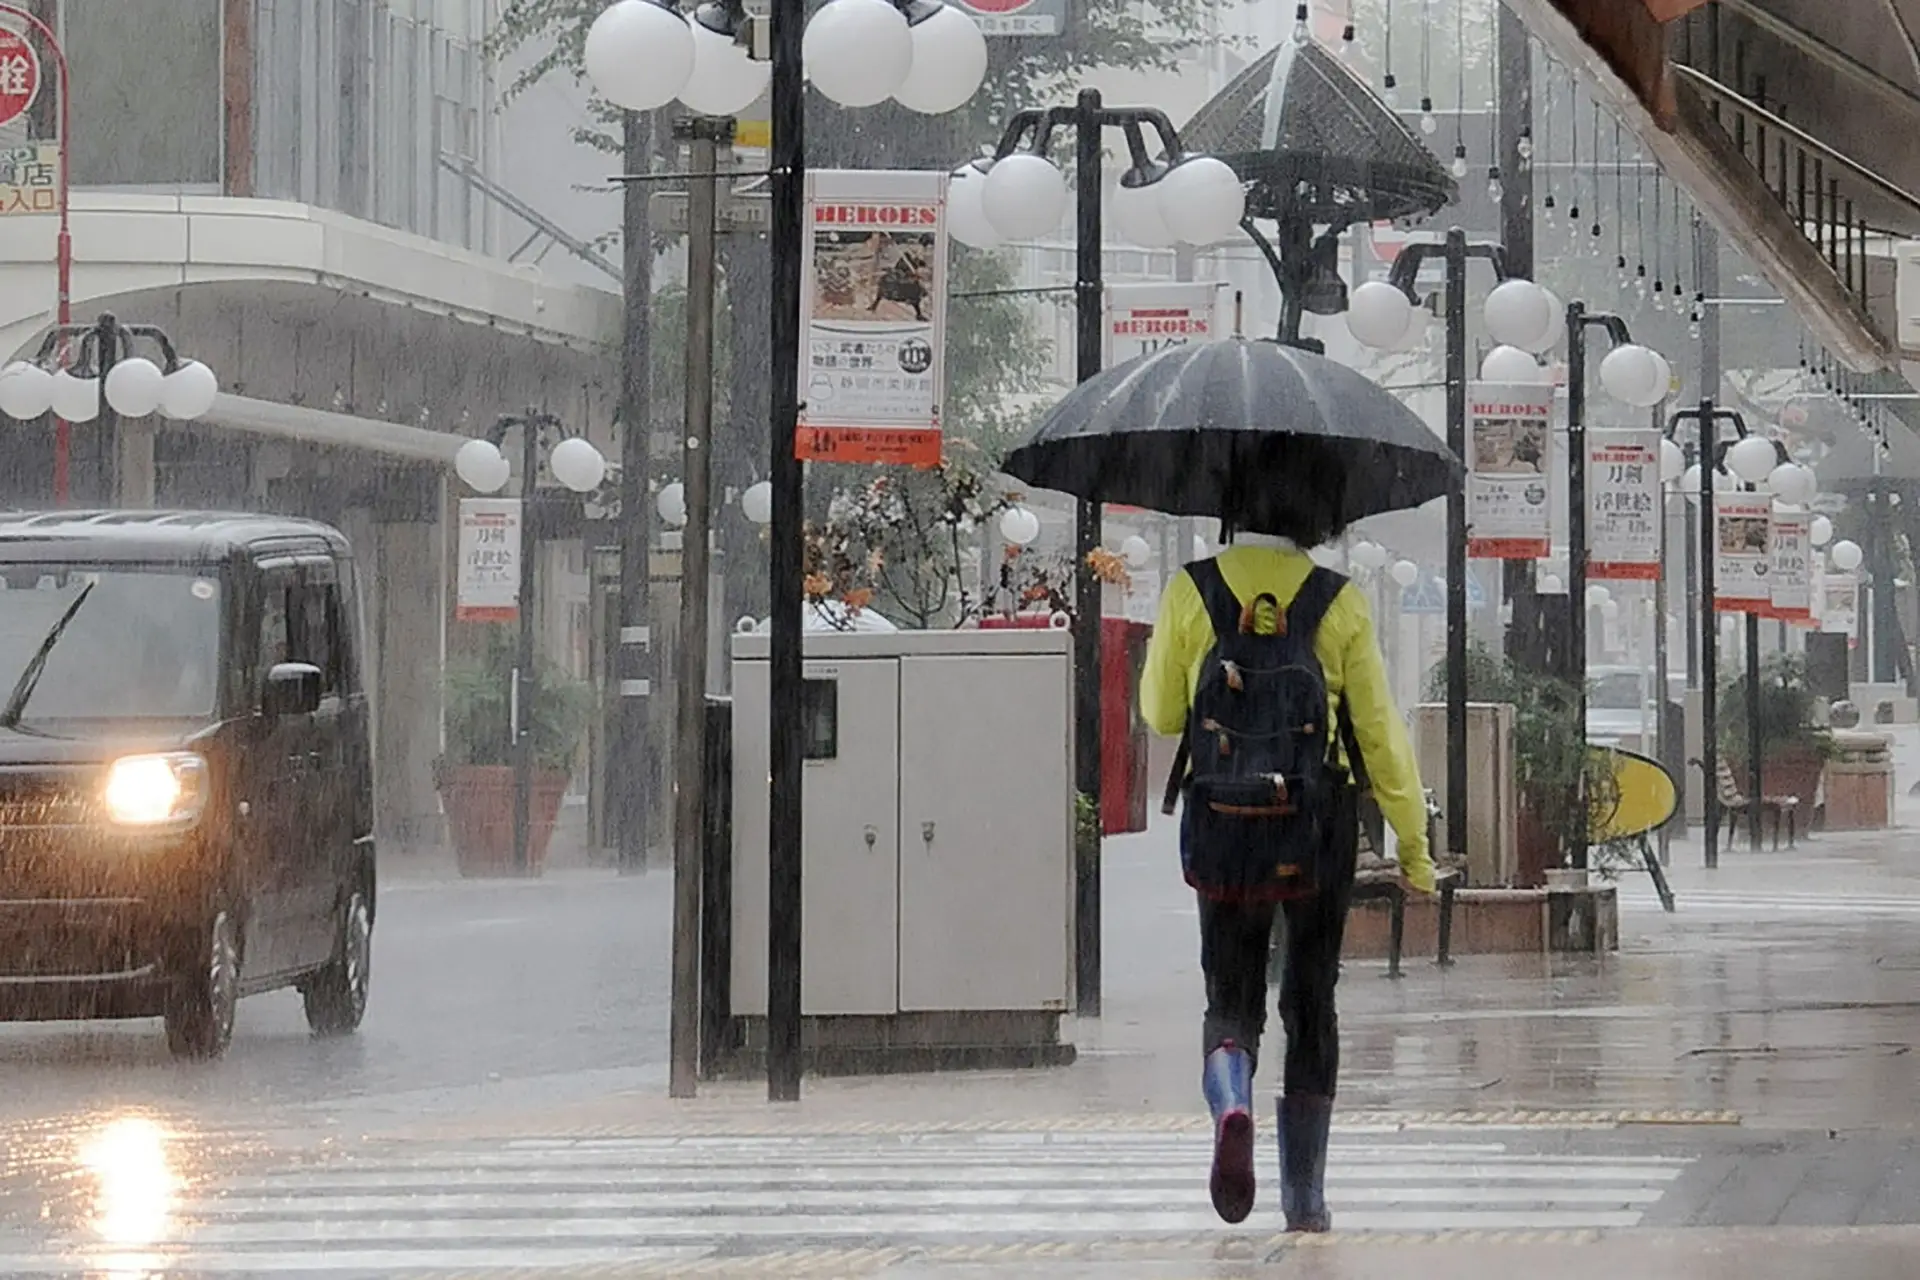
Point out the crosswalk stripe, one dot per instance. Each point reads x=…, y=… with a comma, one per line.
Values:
x=594, y=1202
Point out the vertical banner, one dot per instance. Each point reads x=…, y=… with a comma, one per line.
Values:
x=1141, y=318
x=1623, y=505
x=1791, y=571
x=1743, y=560
x=1840, y=603
x=1509, y=491
x=873, y=308
x=489, y=584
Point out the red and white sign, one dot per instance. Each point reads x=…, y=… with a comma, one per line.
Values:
x=1623, y=505
x=1743, y=559
x=1018, y=17
x=1509, y=482
x=1151, y=317
x=874, y=307
x=1791, y=573
x=489, y=583
x=19, y=76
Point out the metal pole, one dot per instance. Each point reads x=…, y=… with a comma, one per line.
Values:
x=1577, y=540
x=1663, y=743
x=1753, y=731
x=632, y=764
x=787, y=123
x=1086, y=540
x=690, y=676
x=525, y=681
x=1516, y=237
x=1709, y=637
x=1457, y=546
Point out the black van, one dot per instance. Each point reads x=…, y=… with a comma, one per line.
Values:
x=186, y=781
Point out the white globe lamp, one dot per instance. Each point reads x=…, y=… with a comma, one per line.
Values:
x=639, y=54
x=480, y=466
x=1405, y=572
x=1202, y=200
x=1610, y=609
x=1847, y=555
x=949, y=62
x=1752, y=459
x=1019, y=526
x=75, y=399
x=1137, y=216
x=966, y=207
x=188, y=391
x=1135, y=551
x=26, y=391
x=724, y=81
x=1820, y=532
x=1791, y=483
x=756, y=502
x=133, y=387
x=1558, y=333
x=1597, y=596
x=858, y=53
x=1673, y=461
x=1519, y=313
x=1725, y=481
x=1690, y=480
x=1025, y=196
x=1369, y=554
x=1631, y=375
x=1509, y=364
x=671, y=503
x=576, y=464
x=1666, y=375
x=1550, y=584
x=1379, y=315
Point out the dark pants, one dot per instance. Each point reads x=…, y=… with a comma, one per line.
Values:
x=1234, y=938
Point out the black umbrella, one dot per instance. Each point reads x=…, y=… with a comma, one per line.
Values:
x=1242, y=430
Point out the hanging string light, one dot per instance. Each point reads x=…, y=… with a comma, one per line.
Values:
x=1698, y=314
x=1595, y=232
x=1573, y=158
x=1679, y=239
x=1459, y=166
x=1546, y=134
x=1429, y=124
x=1640, y=225
x=1301, y=31
x=1389, y=87
x=1349, y=40
x=1495, y=190
x=1659, y=299
x=1619, y=201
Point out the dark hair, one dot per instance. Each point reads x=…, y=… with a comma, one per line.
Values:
x=1297, y=490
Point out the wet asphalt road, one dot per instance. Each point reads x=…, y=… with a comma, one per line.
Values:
x=485, y=993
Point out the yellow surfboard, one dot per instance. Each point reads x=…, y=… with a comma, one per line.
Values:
x=1646, y=799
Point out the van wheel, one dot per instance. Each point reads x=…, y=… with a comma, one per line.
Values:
x=200, y=1013
x=336, y=996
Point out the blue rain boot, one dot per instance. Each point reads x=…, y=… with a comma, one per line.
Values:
x=1227, y=1080
x=1304, y=1122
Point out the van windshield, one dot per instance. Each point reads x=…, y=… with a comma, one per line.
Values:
x=144, y=644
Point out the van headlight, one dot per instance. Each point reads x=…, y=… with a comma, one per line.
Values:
x=155, y=790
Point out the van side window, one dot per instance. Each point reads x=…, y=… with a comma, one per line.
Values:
x=276, y=636
x=317, y=633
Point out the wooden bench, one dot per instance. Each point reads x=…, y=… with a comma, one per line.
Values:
x=1735, y=804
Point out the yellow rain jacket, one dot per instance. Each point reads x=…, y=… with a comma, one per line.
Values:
x=1349, y=658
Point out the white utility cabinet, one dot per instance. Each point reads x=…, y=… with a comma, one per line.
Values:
x=937, y=881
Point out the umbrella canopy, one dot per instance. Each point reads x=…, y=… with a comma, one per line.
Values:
x=1248, y=431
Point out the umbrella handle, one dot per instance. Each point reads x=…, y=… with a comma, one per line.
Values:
x=1170, y=803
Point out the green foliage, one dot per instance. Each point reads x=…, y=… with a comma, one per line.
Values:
x=1550, y=753
x=1787, y=706
x=1086, y=825
x=555, y=708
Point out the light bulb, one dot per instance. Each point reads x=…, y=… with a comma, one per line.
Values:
x=1348, y=44
x=1496, y=190
x=1459, y=166
x=1429, y=123
x=1390, y=90
x=1301, y=33
x=1525, y=145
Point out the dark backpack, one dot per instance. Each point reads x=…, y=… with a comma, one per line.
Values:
x=1265, y=788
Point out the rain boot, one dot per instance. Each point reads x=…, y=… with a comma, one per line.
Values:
x=1304, y=1122
x=1227, y=1080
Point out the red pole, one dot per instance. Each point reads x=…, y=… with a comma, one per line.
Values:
x=63, y=246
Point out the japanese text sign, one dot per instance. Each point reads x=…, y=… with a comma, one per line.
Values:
x=489, y=586
x=1150, y=317
x=874, y=308
x=19, y=76
x=30, y=178
x=1509, y=483
x=1791, y=588
x=1743, y=552
x=1623, y=505
x=1840, y=603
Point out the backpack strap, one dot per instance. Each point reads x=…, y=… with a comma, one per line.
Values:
x=1310, y=604
x=1223, y=611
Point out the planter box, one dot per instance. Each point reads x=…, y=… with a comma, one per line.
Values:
x=478, y=800
x=1490, y=922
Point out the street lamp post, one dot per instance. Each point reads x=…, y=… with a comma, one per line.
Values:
x=83, y=372
x=63, y=240
x=579, y=466
x=1018, y=195
x=931, y=58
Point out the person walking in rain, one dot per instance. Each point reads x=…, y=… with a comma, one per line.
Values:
x=1269, y=665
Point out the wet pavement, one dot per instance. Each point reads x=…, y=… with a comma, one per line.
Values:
x=1718, y=1098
